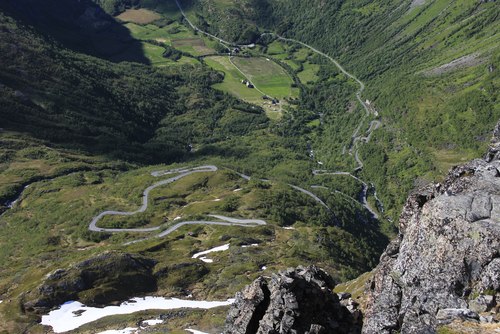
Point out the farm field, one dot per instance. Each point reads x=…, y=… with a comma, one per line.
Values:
x=195, y=46
x=232, y=80
x=140, y=16
x=267, y=76
x=298, y=58
x=309, y=73
x=175, y=35
x=233, y=85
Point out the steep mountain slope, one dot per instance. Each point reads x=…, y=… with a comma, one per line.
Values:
x=136, y=112
x=441, y=275
x=85, y=128
x=430, y=68
x=77, y=134
x=444, y=264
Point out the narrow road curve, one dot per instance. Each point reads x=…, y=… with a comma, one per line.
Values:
x=302, y=190
x=335, y=62
x=310, y=194
x=354, y=138
x=145, y=198
x=195, y=28
x=363, y=197
x=228, y=222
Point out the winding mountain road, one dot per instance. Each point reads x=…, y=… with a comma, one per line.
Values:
x=355, y=138
x=228, y=222
x=335, y=62
x=145, y=198
x=183, y=172
x=310, y=194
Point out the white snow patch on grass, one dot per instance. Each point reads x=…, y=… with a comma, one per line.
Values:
x=64, y=319
x=194, y=331
x=215, y=249
x=128, y=330
x=152, y=322
x=252, y=245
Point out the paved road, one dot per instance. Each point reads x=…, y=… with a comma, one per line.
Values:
x=310, y=194
x=335, y=62
x=145, y=198
x=224, y=42
x=228, y=222
x=364, y=192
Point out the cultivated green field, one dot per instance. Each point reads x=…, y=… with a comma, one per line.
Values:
x=233, y=84
x=267, y=76
x=232, y=80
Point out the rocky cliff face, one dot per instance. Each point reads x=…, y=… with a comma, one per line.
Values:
x=444, y=267
x=294, y=301
x=445, y=264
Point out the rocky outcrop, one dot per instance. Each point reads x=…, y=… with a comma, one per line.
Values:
x=293, y=301
x=106, y=278
x=445, y=264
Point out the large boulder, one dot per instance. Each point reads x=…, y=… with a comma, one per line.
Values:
x=293, y=301
x=108, y=277
x=444, y=265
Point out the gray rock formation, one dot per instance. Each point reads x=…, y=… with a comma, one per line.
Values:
x=108, y=277
x=294, y=301
x=445, y=264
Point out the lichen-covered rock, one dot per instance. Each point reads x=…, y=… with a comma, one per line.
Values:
x=447, y=252
x=293, y=301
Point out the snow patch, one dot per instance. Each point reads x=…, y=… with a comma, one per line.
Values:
x=64, y=319
x=206, y=260
x=177, y=218
x=288, y=228
x=252, y=245
x=152, y=322
x=128, y=330
x=194, y=331
x=215, y=249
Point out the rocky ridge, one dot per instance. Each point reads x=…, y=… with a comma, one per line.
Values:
x=444, y=267
x=293, y=301
x=445, y=263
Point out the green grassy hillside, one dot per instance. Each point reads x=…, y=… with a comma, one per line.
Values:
x=83, y=132
x=95, y=96
x=430, y=68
